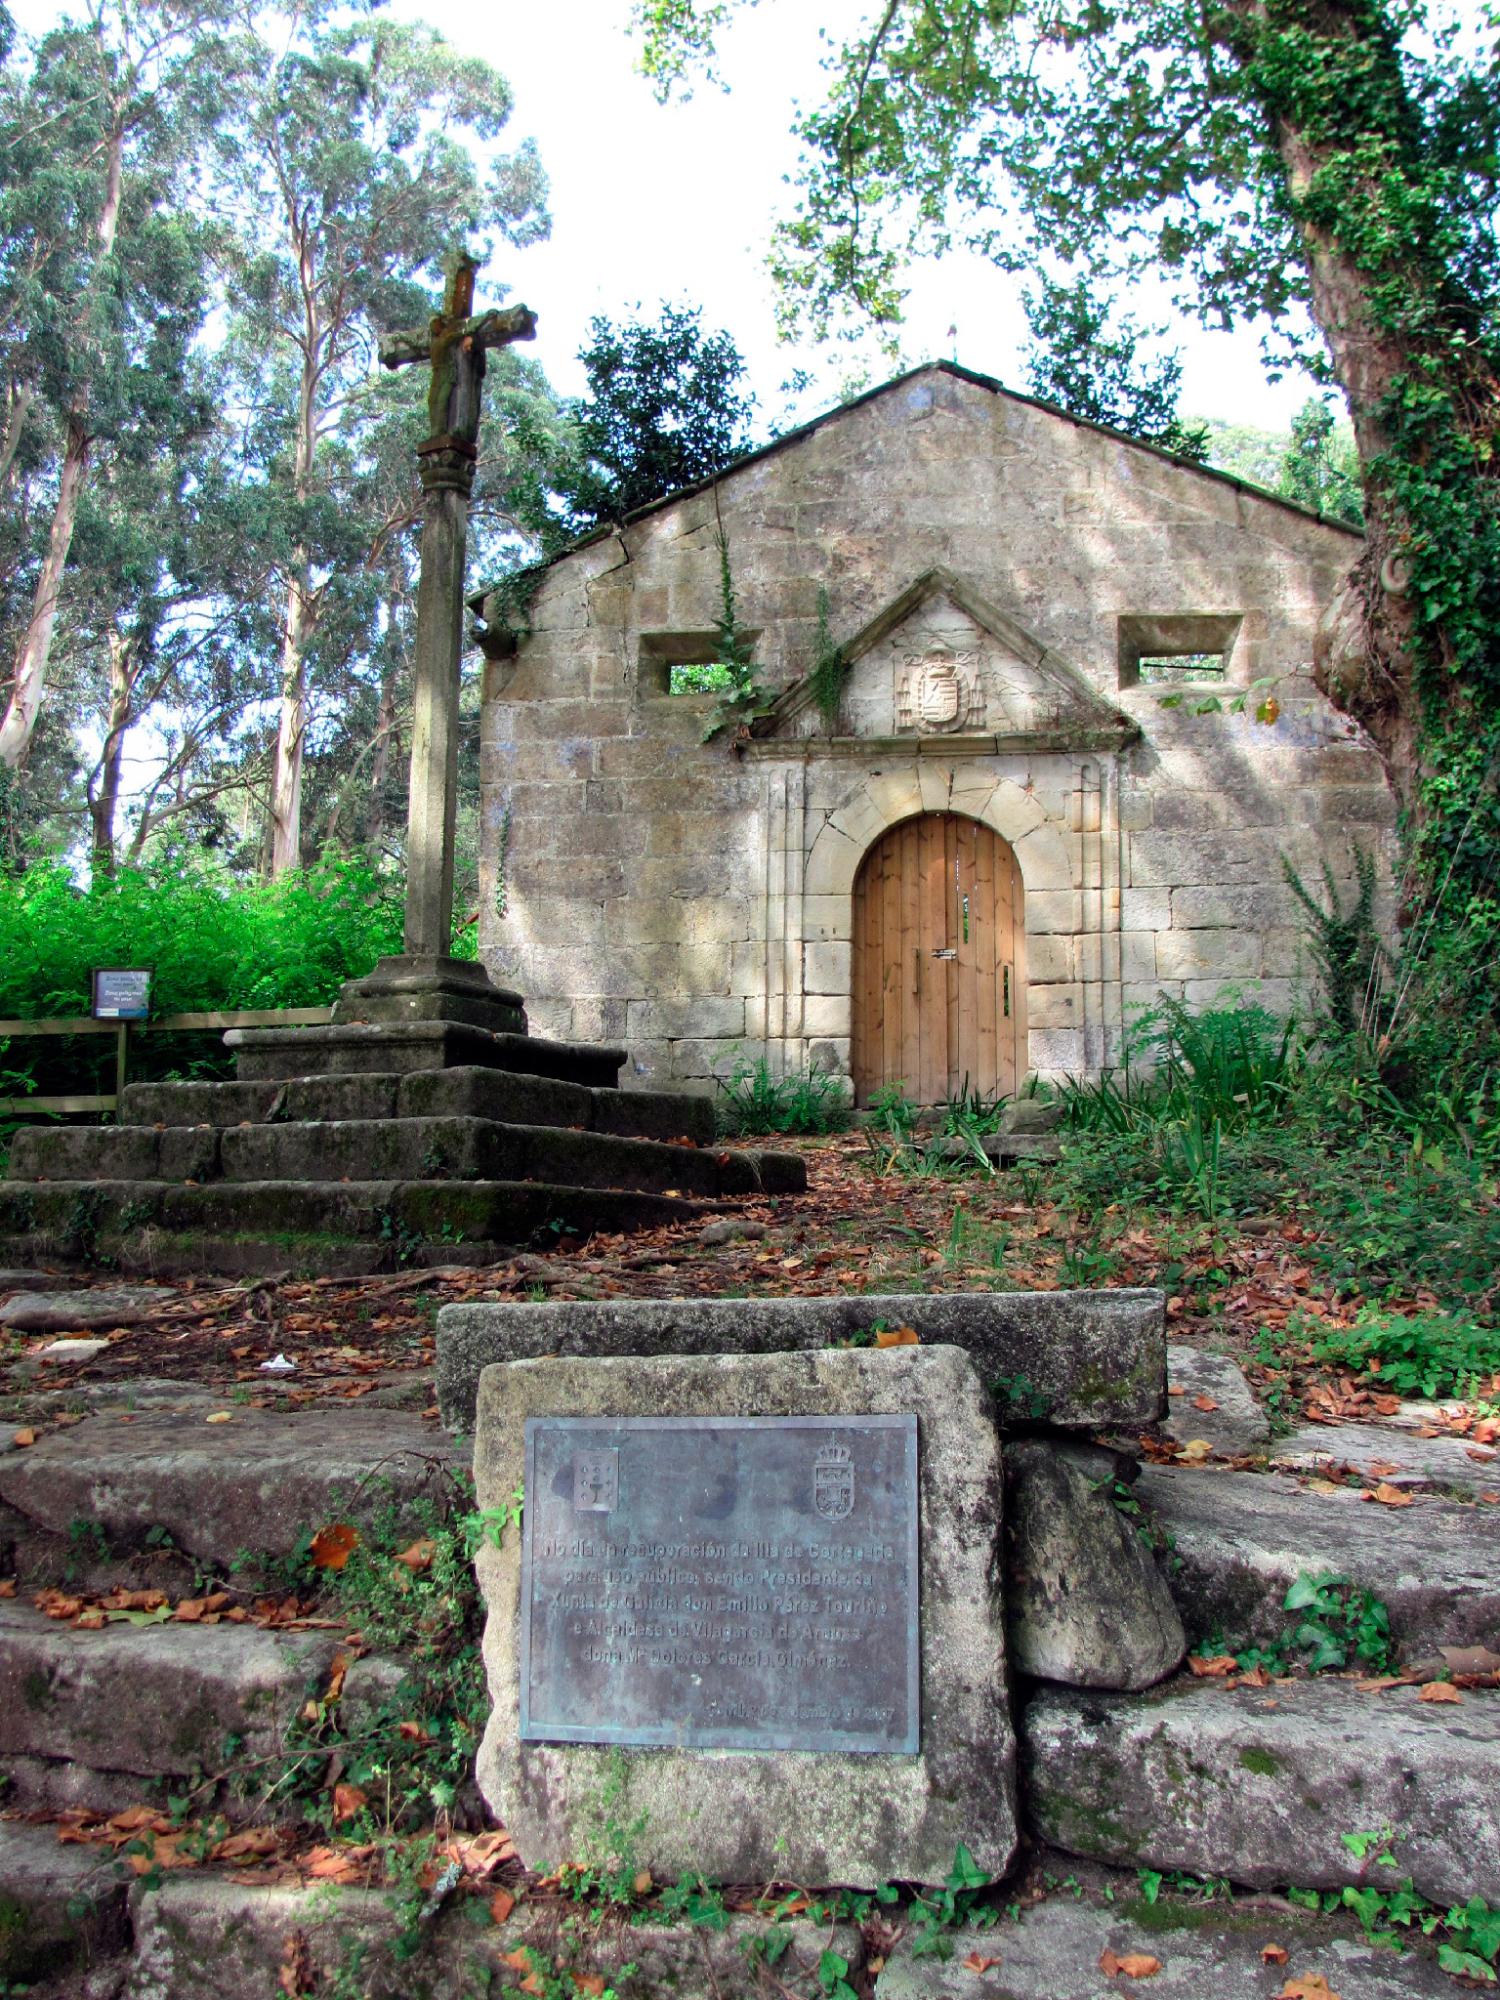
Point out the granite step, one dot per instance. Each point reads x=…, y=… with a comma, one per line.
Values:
x=331, y=1227
x=1053, y=1950
x=1239, y=1541
x=198, y=1934
x=62, y=1910
x=430, y=1149
x=165, y=1483
x=90, y=1718
x=348, y=1049
x=1262, y=1785
x=510, y=1096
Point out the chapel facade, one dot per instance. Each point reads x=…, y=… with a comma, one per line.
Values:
x=1076, y=735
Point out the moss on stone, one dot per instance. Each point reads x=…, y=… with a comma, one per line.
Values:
x=1261, y=1762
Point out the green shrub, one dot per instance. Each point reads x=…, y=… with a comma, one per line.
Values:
x=211, y=941
x=753, y=1100
x=1421, y=1354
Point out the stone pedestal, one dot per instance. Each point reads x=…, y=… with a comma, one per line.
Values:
x=425, y=986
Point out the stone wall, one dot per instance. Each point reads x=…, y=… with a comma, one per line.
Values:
x=691, y=899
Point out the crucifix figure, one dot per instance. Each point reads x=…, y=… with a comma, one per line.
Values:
x=455, y=343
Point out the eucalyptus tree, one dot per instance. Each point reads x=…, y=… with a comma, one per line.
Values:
x=363, y=153
x=1337, y=155
x=102, y=283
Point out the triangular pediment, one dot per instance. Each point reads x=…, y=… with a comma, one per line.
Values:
x=940, y=661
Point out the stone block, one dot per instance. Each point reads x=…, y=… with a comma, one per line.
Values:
x=807, y=1816
x=827, y=968
x=826, y=1014
x=1056, y=1051
x=59, y=1910
x=1050, y=910
x=1236, y=1426
x=1044, y=861
x=1233, y=855
x=1077, y=1360
x=1242, y=1539
x=1054, y=1006
x=1085, y=1602
x=1146, y=909
x=1221, y=954
x=1051, y=959
x=1220, y=1782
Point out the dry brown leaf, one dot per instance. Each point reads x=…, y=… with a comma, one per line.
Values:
x=642, y=1885
x=1214, y=1666
x=1378, y=1683
x=220, y=1417
x=501, y=1905
x=348, y=1800
x=414, y=1732
x=519, y=1960
x=1307, y=1986
x=134, y=1818
x=1134, y=1965
x=1274, y=1954
x=1204, y=1403
x=1470, y=1659
x=1390, y=1496
x=256, y=1843
x=7, y=1586
x=1195, y=1451
x=91, y=1621
x=898, y=1336
x=419, y=1556
x=296, y=1967
x=1440, y=1691
x=23, y=1437
x=589, y=1982
x=975, y=1963
x=332, y=1546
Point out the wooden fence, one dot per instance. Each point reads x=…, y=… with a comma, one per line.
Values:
x=85, y=1024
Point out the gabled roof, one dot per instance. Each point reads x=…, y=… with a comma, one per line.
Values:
x=961, y=374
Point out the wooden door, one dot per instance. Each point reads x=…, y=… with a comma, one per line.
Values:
x=939, y=962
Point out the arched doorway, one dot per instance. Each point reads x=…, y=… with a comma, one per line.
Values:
x=939, y=962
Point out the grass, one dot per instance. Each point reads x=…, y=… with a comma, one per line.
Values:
x=754, y=1101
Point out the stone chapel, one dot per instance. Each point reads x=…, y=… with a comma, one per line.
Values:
x=1077, y=733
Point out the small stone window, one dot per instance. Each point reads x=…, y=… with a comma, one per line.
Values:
x=684, y=663
x=1178, y=649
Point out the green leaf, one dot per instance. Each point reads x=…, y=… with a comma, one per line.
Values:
x=1453, y=1960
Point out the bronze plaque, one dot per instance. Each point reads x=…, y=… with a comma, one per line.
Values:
x=729, y=1583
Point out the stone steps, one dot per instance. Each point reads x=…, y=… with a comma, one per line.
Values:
x=397, y=1149
x=1211, y=1951
x=347, y=1049
x=1239, y=1540
x=1261, y=1785
x=164, y=1488
x=510, y=1096
x=321, y=1227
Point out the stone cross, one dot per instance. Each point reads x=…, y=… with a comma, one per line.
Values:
x=456, y=343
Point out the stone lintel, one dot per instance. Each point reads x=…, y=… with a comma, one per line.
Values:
x=806, y=1816
x=1077, y=1360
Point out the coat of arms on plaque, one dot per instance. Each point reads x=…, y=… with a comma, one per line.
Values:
x=596, y=1481
x=938, y=691
x=833, y=1482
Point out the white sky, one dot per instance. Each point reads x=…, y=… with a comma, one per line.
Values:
x=676, y=202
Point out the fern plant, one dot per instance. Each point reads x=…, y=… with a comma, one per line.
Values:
x=830, y=669
x=1346, y=946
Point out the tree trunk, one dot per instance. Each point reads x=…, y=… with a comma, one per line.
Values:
x=1349, y=143
x=380, y=766
x=35, y=650
x=286, y=775
x=104, y=802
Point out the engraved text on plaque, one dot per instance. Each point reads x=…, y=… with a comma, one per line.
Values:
x=721, y=1582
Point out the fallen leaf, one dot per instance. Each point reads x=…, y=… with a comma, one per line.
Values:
x=974, y=1963
x=1308, y=1986
x=1195, y=1451
x=1470, y=1659
x=1390, y=1496
x=414, y=1732
x=256, y=1843
x=23, y=1437
x=1378, y=1683
x=897, y=1336
x=348, y=1800
x=1440, y=1691
x=1323, y=1486
x=7, y=1586
x=419, y=1556
x=332, y=1546
x=1204, y=1403
x=519, y=1960
x=1134, y=1965
x=296, y=1966
x=220, y=1417
x=1176, y=1389
x=91, y=1621
x=501, y=1905
x=1274, y=1954
x=589, y=1982
x=1212, y=1667
x=642, y=1885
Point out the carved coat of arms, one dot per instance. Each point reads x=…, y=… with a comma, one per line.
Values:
x=939, y=691
x=833, y=1482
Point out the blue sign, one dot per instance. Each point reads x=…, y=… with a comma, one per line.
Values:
x=122, y=995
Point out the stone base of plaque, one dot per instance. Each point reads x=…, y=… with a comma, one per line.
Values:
x=715, y=1597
